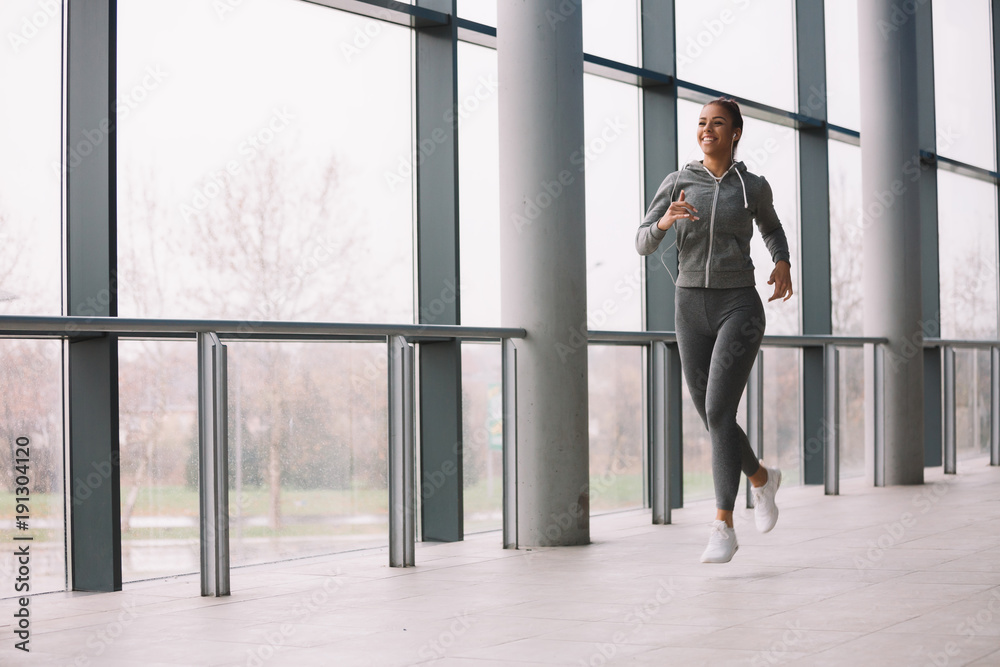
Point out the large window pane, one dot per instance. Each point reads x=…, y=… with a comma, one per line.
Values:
x=782, y=442
x=616, y=427
x=846, y=240
x=843, y=93
x=479, y=186
x=158, y=431
x=963, y=81
x=611, y=29
x=768, y=150
x=482, y=437
x=742, y=48
x=263, y=208
x=31, y=462
x=851, y=427
x=307, y=449
x=972, y=402
x=614, y=204
x=480, y=11
x=967, y=247
x=30, y=191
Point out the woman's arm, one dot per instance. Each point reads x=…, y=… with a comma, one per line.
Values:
x=661, y=215
x=777, y=243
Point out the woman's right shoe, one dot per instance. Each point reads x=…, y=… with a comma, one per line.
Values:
x=721, y=544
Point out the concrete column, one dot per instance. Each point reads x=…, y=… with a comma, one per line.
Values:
x=891, y=200
x=543, y=262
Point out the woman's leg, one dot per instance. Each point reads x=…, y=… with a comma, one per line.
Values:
x=739, y=317
x=695, y=343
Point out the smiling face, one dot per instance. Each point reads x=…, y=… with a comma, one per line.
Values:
x=715, y=131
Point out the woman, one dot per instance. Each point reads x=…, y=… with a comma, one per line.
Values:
x=719, y=315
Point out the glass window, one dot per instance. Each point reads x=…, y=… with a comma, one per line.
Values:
x=616, y=427
x=480, y=11
x=614, y=203
x=967, y=248
x=846, y=240
x=768, y=150
x=843, y=92
x=847, y=299
x=30, y=176
x=963, y=82
x=479, y=186
x=739, y=47
x=972, y=403
x=158, y=431
x=782, y=411
x=263, y=207
x=611, y=30
x=851, y=428
x=31, y=430
x=308, y=439
x=482, y=437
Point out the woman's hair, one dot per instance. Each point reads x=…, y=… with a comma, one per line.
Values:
x=731, y=105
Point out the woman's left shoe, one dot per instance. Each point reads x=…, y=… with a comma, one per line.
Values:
x=765, y=512
x=722, y=544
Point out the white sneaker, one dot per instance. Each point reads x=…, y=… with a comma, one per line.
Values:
x=765, y=512
x=721, y=544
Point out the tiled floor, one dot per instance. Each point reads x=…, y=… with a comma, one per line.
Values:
x=892, y=576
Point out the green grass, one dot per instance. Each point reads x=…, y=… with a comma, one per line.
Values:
x=608, y=492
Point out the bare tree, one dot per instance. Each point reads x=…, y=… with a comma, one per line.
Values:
x=274, y=245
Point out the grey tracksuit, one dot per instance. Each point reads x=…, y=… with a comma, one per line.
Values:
x=718, y=314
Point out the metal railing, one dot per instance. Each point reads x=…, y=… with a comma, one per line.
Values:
x=213, y=469
x=948, y=407
x=662, y=364
x=662, y=357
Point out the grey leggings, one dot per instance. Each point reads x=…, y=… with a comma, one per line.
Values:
x=718, y=334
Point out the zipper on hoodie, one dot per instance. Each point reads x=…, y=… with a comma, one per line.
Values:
x=711, y=221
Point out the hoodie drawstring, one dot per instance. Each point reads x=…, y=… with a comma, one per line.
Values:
x=746, y=204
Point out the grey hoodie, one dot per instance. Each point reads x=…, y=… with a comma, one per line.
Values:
x=714, y=251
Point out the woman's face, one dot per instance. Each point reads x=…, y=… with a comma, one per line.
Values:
x=715, y=131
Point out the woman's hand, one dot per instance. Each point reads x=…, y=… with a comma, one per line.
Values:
x=678, y=209
x=781, y=278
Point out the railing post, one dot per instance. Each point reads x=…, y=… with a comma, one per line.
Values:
x=755, y=413
x=658, y=436
x=948, y=358
x=831, y=431
x=402, y=514
x=875, y=411
x=509, y=395
x=995, y=406
x=213, y=469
